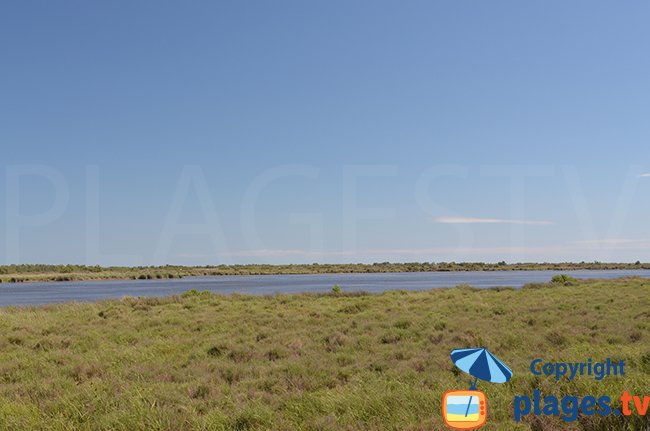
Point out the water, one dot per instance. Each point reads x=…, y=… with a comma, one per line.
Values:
x=86, y=291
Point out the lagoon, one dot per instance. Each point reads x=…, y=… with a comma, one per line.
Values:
x=88, y=291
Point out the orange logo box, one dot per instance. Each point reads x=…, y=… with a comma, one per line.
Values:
x=464, y=410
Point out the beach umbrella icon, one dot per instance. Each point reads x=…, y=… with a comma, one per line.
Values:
x=481, y=364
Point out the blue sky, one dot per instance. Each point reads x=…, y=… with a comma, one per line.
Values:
x=235, y=132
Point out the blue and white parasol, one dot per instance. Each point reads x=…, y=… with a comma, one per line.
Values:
x=480, y=364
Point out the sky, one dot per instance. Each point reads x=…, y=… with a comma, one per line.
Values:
x=212, y=132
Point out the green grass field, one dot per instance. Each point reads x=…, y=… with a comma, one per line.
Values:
x=312, y=362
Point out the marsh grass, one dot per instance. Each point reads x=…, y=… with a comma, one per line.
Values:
x=311, y=362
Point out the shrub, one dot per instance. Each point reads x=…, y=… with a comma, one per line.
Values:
x=636, y=336
x=240, y=355
x=334, y=341
x=402, y=324
x=18, y=341
x=564, y=279
x=336, y=289
x=645, y=362
x=353, y=308
x=391, y=337
x=436, y=338
x=275, y=354
x=216, y=351
x=556, y=338
x=201, y=392
x=66, y=269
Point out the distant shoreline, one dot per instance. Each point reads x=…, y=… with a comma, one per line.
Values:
x=66, y=273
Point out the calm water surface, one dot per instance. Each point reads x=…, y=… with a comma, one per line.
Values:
x=45, y=293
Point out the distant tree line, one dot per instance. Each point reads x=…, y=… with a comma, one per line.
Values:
x=170, y=271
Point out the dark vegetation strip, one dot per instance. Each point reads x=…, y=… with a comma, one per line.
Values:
x=38, y=272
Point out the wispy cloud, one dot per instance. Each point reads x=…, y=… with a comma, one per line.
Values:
x=483, y=220
x=646, y=175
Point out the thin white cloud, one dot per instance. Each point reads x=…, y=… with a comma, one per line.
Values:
x=483, y=220
x=646, y=175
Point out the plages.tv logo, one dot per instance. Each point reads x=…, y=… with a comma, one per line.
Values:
x=466, y=410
